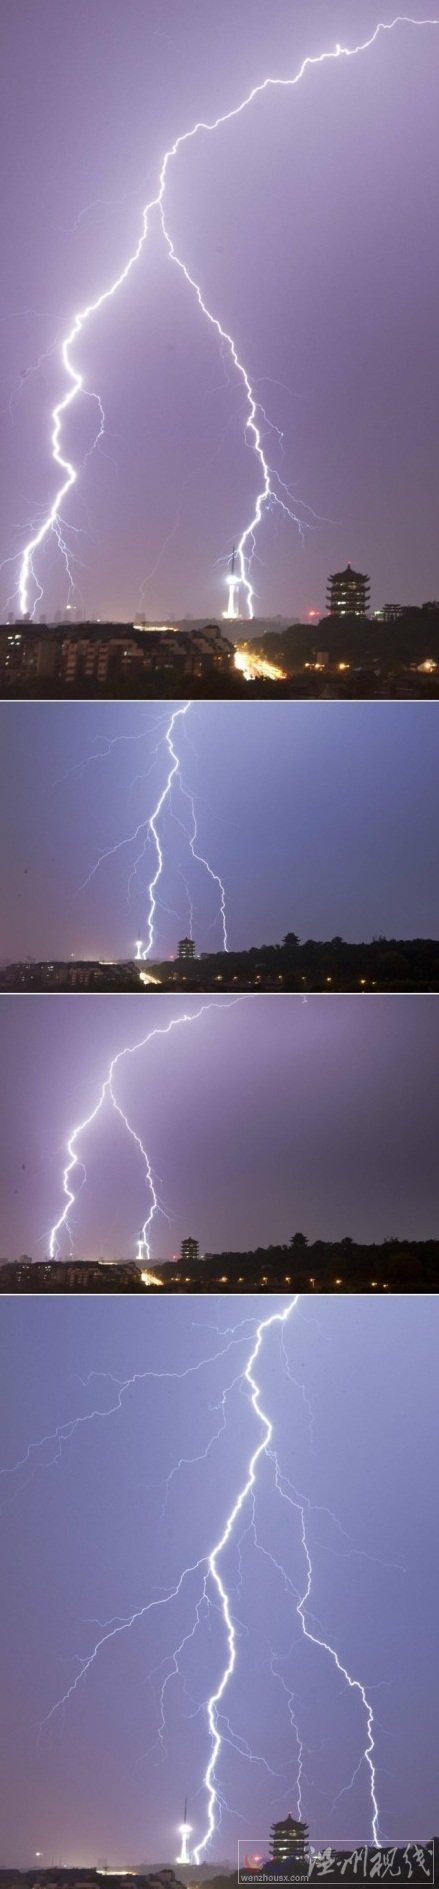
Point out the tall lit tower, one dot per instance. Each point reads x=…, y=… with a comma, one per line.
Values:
x=348, y=593
x=289, y=1842
x=186, y=948
x=190, y=1251
x=233, y=581
x=185, y=1832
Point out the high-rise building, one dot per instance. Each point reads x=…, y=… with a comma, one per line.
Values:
x=348, y=593
x=186, y=948
x=190, y=1251
x=289, y=1841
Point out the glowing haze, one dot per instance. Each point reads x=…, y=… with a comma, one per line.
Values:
x=167, y=371
x=218, y=1591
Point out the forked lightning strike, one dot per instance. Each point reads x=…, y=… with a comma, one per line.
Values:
x=268, y=494
x=75, y=1163
x=276, y=1318
x=213, y=1592
x=174, y=774
x=150, y=829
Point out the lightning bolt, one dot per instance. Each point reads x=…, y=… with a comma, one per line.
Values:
x=206, y=1574
x=268, y=493
x=153, y=828
x=355, y=1685
x=165, y=796
x=246, y=1490
x=150, y=829
x=65, y=1431
x=75, y=1164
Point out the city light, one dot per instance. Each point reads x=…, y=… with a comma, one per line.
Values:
x=253, y=667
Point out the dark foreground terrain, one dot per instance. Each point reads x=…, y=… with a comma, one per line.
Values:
x=385, y=964
x=349, y=658
x=343, y=1266
x=414, y=1862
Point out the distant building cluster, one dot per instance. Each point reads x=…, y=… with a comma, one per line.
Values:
x=68, y=1275
x=82, y=1275
x=349, y=653
x=70, y=974
x=101, y=654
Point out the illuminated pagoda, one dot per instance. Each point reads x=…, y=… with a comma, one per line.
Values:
x=289, y=1842
x=348, y=593
x=186, y=948
x=190, y=1252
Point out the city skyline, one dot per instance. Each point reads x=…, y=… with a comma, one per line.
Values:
x=319, y=818
x=156, y=527
x=243, y=1120
x=106, y=1510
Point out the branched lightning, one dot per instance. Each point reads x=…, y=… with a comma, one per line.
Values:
x=206, y=1579
x=214, y=1559
x=153, y=827
x=270, y=487
x=355, y=1685
x=149, y=829
x=74, y=1162
x=65, y=1431
x=165, y=796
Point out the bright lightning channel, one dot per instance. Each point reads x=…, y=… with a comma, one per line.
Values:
x=174, y=774
x=150, y=829
x=153, y=828
x=268, y=494
x=74, y=1161
x=214, y=1591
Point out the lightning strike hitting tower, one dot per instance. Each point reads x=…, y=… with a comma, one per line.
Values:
x=233, y=613
x=185, y=1832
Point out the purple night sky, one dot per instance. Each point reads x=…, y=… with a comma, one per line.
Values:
x=96, y=1525
x=320, y=818
x=310, y=224
x=262, y=1116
